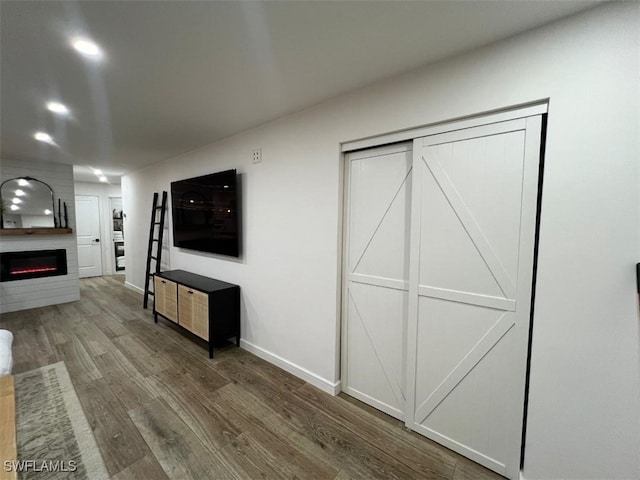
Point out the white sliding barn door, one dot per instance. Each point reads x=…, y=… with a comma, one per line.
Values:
x=376, y=276
x=473, y=229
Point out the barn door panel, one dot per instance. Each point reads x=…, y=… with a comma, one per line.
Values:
x=472, y=267
x=377, y=274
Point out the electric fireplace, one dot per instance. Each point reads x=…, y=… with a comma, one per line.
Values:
x=32, y=264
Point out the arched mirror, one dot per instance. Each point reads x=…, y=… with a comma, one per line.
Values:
x=26, y=203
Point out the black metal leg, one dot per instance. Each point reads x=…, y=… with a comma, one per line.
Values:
x=210, y=350
x=238, y=340
x=155, y=317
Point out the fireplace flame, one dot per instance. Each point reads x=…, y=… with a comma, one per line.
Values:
x=22, y=271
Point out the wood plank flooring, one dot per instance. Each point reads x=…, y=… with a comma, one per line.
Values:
x=160, y=408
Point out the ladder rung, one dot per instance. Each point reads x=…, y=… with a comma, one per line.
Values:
x=158, y=207
x=155, y=223
x=151, y=293
x=154, y=258
x=155, y=239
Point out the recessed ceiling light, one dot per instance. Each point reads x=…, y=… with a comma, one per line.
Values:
x=43, y=137
x=14, y=207
x=16, y=200
x=23, y=183
x=57, y=107
x=87, y=48
x=103, y=178
x=19, y=193
x=97, y=171
x=47, y=212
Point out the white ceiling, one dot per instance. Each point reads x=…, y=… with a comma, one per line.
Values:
x=178, y=75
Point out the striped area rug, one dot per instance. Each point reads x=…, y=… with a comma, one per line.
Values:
x=53, y=435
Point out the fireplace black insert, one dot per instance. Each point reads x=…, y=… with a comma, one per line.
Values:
x=32, y=264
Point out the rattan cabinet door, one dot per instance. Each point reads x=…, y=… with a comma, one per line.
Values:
x=193, y=312
x=165, y=297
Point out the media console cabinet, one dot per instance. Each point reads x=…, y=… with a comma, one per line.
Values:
x=204, y=306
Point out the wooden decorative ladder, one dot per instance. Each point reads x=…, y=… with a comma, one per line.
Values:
x=157, y=239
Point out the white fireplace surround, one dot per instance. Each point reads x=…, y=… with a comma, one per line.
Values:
x=39, y=292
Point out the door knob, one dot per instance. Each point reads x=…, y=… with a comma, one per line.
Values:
x=97, y=240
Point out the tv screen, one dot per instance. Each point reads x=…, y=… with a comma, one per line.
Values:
x=205, y=213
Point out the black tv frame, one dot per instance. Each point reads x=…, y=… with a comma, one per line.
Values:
x=214, y=220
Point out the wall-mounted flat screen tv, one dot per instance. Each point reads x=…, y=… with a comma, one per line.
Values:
x=205, y=213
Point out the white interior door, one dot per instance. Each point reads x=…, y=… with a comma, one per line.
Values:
x=88, y=234
x=473, y=234
x=377, y=274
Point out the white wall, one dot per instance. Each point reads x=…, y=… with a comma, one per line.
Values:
x=104, y=192
x=38, y=292
x=584, y=402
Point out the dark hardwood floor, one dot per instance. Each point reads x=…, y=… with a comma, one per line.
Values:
x=160, y=408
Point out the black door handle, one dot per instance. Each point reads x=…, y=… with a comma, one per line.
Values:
x=97, y=240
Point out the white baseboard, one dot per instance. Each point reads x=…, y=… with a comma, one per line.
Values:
x=133, y=287
x=300, y=372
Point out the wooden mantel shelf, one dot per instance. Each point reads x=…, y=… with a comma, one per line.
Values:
x=35, y=231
